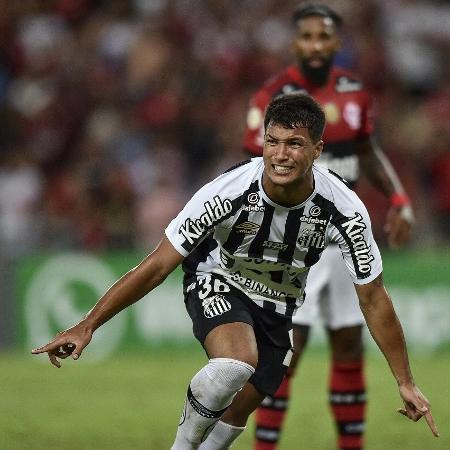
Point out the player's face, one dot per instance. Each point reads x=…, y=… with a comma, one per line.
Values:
x=288, y=157
x=315, y=44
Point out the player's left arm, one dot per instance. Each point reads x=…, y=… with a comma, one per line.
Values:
x=380, y=172
x=387, y=332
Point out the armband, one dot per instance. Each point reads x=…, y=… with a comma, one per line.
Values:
x=399, y=200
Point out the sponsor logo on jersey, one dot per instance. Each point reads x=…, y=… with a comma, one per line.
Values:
x=314, y=220
x=247, y=228
x=311, y=238
x=215, y=306
x=315, y=211
x=253, y=198
x=253, y=208
x=291, y=88
x=275, y=245
x=256, y=286
x=193, y=230
x=354, y=229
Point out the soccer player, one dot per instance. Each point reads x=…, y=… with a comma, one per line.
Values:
x=349, y=147
x=246, y=241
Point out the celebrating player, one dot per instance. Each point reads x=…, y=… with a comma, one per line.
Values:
x=349, y=146
x=247, y=241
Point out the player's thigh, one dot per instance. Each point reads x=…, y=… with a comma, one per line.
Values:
x=221, y=319
x=233, y=340
x=340, y=308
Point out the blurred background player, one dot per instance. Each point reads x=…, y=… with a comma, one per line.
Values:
x=349, y=148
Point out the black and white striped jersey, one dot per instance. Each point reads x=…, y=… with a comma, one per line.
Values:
x=231, y=228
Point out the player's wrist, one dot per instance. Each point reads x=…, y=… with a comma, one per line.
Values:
x=399, y=200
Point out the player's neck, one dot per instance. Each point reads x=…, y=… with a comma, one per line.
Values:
x=289, y=195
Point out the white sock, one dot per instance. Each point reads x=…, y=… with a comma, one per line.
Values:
x=221, y=437
x=210, y=392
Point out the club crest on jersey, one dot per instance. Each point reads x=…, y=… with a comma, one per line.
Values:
x=247, y=228
x=195, y=229
x=311, y=238
x=215, y=306
x=360, y=250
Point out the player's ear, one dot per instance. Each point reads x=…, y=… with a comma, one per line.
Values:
x=318, y=149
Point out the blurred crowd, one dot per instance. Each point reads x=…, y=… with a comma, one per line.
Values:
x=114, y=112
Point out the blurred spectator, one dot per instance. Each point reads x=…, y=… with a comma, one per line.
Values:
x=21, y=186
x=123, y=109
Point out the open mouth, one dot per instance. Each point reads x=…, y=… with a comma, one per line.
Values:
x=281, y=170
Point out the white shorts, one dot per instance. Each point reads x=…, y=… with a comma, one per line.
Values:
x=330, y=294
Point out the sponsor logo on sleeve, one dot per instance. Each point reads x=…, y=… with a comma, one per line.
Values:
x=354, y=229
x=193, y=230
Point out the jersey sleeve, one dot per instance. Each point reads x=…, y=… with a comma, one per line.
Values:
x=352, y=230
x=254, y=128
x=208, y=208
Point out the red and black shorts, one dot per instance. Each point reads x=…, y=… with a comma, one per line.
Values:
x=211, y=302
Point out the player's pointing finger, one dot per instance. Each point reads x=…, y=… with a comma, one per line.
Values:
x=431, y=424
x=46, y=348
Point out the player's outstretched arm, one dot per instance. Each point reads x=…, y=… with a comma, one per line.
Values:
x=127, y=290
x=387, y=332
x=378, y=169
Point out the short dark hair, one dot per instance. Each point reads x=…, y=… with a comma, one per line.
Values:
x=296, y=110
x=316, y=9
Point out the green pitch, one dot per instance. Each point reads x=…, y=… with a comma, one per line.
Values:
x=133, y=402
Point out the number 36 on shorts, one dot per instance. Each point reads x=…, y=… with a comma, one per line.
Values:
x=208, y=286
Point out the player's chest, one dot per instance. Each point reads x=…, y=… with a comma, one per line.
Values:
x=265, y=236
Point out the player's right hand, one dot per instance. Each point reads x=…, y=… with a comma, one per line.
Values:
x=416, y=406
x=69, y=342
